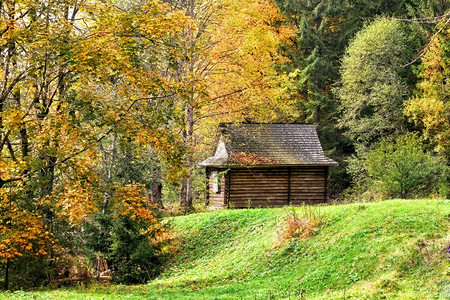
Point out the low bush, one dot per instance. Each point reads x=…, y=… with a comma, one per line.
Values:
x=399, y=167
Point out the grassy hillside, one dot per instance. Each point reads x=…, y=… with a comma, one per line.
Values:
x=391, y=249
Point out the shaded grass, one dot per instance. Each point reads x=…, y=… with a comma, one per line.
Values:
x=387, y=250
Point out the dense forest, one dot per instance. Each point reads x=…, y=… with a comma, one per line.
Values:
x=103, y=104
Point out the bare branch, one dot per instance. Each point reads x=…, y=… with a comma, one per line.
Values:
x=430, y=20
x=219, y=114
x=3, y=142
x=424, y=50
x=10, y=149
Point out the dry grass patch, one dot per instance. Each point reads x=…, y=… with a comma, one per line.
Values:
x=301, y=225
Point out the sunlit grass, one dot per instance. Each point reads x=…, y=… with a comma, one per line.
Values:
x=387, y=250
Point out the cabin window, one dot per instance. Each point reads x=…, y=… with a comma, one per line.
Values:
x=215, y=182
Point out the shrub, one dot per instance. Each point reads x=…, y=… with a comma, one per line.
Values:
x=134, y=258
x=402, y=168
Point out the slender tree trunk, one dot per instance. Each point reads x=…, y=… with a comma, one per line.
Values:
x=189, y=140
x=182, y=199
x=186, y=183
x=157, y=194
x=48, y=175
x=186, y=198
x=186, y=195
x=8, y=262
x=7, y=275
x=2, y=182
x=189, y=197
x=8, y=222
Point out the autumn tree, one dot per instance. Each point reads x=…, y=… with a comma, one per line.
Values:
x=34, y=128
x=126, y=231
x=72, y=73
x=227, y=71
x=430, y=108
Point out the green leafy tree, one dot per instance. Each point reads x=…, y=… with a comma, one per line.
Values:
x=372, y=89
x=128, y=241
x=127, y=233
x=324, y=29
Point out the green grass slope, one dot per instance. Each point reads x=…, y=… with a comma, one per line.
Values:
x=394, y=249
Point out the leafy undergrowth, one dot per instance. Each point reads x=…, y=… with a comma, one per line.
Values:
x=394, y=249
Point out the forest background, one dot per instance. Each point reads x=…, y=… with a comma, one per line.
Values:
x=105, y=103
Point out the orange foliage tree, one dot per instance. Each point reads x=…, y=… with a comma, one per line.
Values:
x=73, y=72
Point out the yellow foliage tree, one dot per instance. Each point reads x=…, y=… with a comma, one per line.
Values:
x=431, y=108
x=227, y=72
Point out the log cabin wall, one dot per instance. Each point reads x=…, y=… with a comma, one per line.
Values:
x=308, y=185
x=271, y=187
x=258, y=187
x=216, y=199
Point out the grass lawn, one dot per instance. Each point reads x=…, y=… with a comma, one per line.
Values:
x=394, y=249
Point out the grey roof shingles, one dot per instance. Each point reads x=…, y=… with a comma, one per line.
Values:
x=268, y=144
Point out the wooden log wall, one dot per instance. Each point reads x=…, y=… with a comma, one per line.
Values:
x=308, y=185
x=271, y=187
x=258, y=187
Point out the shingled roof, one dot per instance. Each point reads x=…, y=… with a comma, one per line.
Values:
x=268, y=144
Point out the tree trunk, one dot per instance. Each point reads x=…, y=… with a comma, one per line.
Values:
x=7, y=275
x=186, y=196
x=189, y=141
x=188, y=132
x=157, y=194
x=48, y=176
x=186, y=183
x=189, y=197
x=8, y=262
x=183, y=184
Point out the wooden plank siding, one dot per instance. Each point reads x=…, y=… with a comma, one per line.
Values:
x=308, y=185
x=270, y=187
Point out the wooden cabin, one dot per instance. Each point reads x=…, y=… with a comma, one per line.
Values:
x=267, y=165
